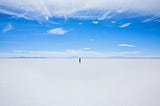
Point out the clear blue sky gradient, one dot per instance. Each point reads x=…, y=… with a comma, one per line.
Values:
x=106, y=35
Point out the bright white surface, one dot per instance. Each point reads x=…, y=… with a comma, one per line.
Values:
x=64, y=82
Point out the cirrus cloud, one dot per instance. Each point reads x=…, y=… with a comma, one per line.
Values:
x=8, y=28
x=125, y=25
x=126, y=45
x=84, y=52
x=57, y=31
x=95, y=22
x=44, y=9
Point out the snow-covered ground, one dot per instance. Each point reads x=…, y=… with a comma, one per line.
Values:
x=65, y=82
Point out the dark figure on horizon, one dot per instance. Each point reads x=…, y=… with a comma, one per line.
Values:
x=79, y=60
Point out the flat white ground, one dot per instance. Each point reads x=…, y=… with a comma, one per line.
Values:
x=65, y=82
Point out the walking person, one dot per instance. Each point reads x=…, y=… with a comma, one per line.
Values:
x=79, y=60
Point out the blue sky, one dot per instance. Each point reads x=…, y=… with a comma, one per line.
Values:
x=98, y=29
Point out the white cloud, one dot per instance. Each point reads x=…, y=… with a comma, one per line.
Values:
x=147, y=20
x=113, y=22
x=86, y=49
x=95, y=22
x=109, y=17
x=120, y=11
x=126, y=45
x=125, y=25
x=7, y=28
x=105, y=15
x=44, y=9
x=84, y=52
x=150, y=19
x=57, y=31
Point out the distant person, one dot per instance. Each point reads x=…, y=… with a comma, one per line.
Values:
x=80, y=60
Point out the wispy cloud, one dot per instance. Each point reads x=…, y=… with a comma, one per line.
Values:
x=105, y=15
x=57, y=31
x=125, y=25
x=113, y=22
x=84, y=52
x=44, y=9
x=95, y=22
x=120, y=11
x=86, y=48
x=8, y=28
x=151, y=19
x=126, y=45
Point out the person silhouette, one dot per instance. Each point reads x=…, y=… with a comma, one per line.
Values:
x=79, y=60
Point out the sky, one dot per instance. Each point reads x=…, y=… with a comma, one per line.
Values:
x=92, y=28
